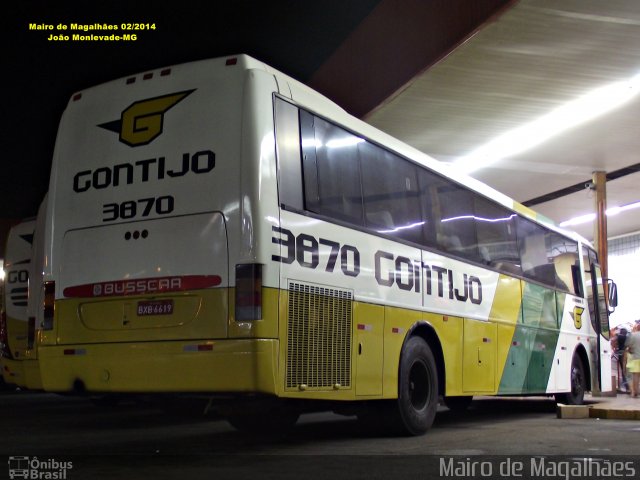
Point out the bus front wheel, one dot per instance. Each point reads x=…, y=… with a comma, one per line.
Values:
x=417, y=387
x=578, y=385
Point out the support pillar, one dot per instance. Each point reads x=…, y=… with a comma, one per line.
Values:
x=600, y=226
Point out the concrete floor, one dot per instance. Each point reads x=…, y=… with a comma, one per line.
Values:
x=141, y=441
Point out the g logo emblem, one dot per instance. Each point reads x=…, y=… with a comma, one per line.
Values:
x=577, y=317
x=142, y=122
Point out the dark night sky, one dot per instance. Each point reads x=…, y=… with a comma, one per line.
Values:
x=39, y=76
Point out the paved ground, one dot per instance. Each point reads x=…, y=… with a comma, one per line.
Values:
x=141, y=441
x=620, y=407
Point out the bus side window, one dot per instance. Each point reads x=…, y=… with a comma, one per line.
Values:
x=456, y=227
x=309, y=163
x=390, y=193
x=331, y=170
x=563, y=252
x=288, y=154
x=588, y=290
x=577, y=280
x=428, y=185
x=496, y=231
x=533, y=252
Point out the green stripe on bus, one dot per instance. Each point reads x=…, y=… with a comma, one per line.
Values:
x=530, y=358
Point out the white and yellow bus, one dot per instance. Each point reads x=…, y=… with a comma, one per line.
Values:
x=14, y=327
x=21, y=313
x=17, y=334
x=217, y=227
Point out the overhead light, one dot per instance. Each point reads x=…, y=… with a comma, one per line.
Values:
x=616, y=210
x=579, y=220
x=591, y=105
x=591, y=216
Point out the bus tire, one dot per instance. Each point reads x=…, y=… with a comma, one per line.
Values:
x=578, y=385
x=417, y=388
x=458, y=404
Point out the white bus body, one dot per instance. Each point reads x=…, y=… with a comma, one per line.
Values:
x=193, y=247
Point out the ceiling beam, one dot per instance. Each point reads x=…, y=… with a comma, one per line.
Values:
x=587, y=184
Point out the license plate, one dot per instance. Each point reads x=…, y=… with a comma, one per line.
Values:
x=155, y=307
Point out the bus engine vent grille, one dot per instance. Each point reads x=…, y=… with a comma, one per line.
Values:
x=318, y=337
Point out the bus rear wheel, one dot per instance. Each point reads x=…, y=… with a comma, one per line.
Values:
x=578, y=385
x=417, y=388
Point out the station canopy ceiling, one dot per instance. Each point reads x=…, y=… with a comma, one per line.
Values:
x=531, y=97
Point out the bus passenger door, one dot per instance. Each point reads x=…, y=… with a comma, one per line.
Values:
x=598, y=308
x=479, y=356
x=540, y=328
x=564, y=350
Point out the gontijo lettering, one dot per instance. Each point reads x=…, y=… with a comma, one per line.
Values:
x=143, y=171
x=406, y=274
x=390, y=270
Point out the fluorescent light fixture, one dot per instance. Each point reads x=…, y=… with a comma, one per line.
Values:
x=593, y=104
x=616, y=210
x=591, y=216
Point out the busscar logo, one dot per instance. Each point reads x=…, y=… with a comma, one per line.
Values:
x=142, y=121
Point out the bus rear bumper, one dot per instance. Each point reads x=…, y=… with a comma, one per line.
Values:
x=220, y=366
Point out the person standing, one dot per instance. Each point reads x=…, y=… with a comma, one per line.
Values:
x=633, y=362
x=619, y=349
x=615, y=370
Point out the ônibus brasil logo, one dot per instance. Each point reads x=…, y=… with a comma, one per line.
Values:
x=142, y=121
x=32, y=468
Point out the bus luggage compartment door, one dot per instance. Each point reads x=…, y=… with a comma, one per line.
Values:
x=479, y=356
x=159, y=274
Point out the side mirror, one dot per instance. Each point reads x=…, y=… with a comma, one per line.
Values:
x=612, y=288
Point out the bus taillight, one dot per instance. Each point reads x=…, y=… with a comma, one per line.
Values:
x=248, y=292
x=49, y=302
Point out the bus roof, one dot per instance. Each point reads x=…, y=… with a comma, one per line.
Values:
x=310, y=98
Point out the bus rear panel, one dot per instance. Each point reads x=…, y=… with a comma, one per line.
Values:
x=152, y=192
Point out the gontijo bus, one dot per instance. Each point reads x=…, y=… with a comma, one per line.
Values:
x=217, y=227
x=13, y=318
x=22, y=303
x=16, y=333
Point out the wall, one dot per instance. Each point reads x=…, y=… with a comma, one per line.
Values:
x=624, y=269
